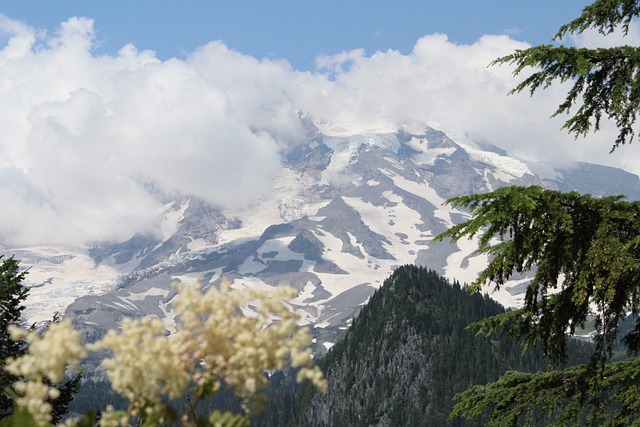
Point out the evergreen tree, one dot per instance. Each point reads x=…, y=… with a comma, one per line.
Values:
x=583, y=251
x=12, y=297
x=606, y=81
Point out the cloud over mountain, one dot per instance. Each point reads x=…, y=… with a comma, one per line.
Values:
x=83, y=136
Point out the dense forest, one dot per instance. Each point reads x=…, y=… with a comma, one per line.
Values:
x=405, y=356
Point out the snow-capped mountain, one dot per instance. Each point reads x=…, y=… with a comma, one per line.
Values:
x=345, y=211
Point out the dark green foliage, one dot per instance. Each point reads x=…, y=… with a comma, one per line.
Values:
x=285, y=397
x=565, y=397
x=584, y=248
x=94, y=395
x=606, y=81
x=603, y=15
x=68, y=390
x=12, y=297
x=584, y=254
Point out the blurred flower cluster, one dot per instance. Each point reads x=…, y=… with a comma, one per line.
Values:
x=48, y=358
x=222, y=335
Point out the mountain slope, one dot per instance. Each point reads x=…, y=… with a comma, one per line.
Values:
x=346, y=210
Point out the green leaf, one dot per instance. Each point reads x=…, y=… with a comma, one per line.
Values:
x=87, y=420
x=228, y=419
x=20, y=418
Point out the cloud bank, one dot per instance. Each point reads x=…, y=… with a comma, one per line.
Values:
x=83, y=136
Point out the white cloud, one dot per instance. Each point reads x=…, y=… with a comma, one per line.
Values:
x=454, y=86
x=81, y=134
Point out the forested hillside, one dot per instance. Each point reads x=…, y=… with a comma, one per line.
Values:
x=405, y=356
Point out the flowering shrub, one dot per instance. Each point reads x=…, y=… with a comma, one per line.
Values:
x=45, y=364
x=222, y=335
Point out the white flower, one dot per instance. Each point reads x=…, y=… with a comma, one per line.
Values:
x=222, y=335
x=145, y=364
x=241, y=348
x=48, y=358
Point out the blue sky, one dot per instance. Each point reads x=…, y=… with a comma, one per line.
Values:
x=298, y=31
x=99, y=99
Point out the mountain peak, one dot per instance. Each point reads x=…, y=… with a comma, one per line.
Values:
x=346, y=210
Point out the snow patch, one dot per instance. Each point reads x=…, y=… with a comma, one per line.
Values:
x=508, y=165
x=397, y=223
x=149, y=293
x=456, y=269
x=61, y=276
x=420, y=189
x=172, y=219
x=545, y=171
x=350, y=127
x=123, y=304
x=427, y=156
x=345, y=151
x=306, y=293
x=199, y=245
